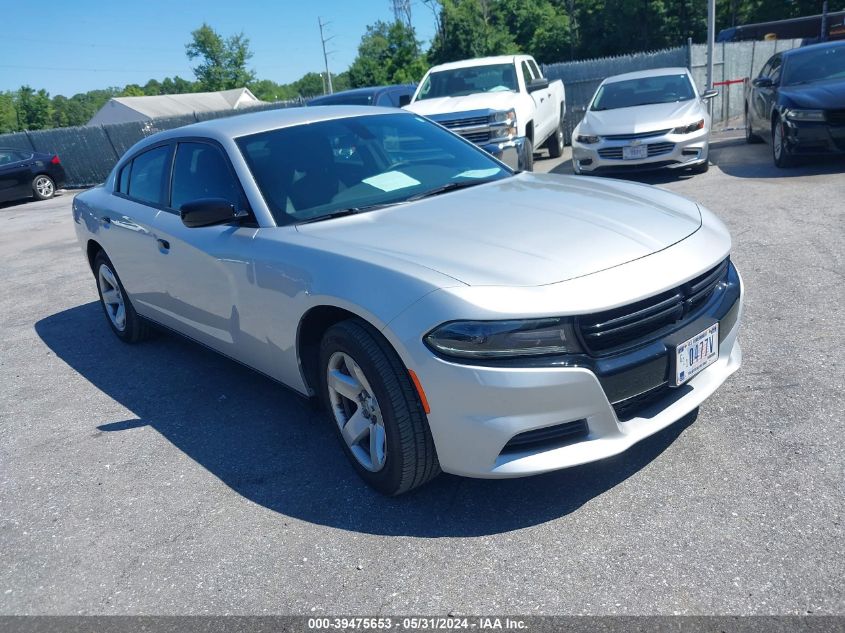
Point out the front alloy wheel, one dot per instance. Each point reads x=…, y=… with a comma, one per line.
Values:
x=780, y=153
x=356, y=411
x=375, y=408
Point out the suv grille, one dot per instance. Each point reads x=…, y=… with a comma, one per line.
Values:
x=835, y=117
x=474, y=129
x=650, y=318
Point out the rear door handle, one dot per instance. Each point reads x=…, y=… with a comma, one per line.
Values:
x=163, y=245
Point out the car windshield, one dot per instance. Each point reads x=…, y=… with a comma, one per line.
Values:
x=643, y=91
x=346, y=165
x=821, y=64
x=466, y=81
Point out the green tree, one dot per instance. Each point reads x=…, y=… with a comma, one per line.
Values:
x=223, y=62
x=387, y=54
x=132, y=90
x=35, y=111
x=470, y=28
x=8, y=113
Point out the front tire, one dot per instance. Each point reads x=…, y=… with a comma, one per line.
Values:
x=703, y=168
x=555, y=144
x=43, y=187
x=121, y=316
x=528, y=155
x=375, y=409
x=780, y=152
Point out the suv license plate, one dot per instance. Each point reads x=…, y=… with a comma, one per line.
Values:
x=696, y=353
x=634, y=151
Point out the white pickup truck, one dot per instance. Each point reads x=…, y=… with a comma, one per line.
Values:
x=504, y=104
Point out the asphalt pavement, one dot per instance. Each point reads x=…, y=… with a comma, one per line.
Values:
x=163, y=479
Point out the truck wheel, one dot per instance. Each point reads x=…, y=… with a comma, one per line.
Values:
x=555, y=143
x=528, y=155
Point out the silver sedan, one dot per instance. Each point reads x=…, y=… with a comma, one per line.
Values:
x=447, y=313
x=644, y=120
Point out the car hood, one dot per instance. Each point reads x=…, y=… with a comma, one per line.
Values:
x=527, y=230
x=479, y=101
x=639, y=119
x=822, y=95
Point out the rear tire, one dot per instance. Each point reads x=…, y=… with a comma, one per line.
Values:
x=750, y=137
x=780, y=153
x=43, y=187
x=555, y=144
x=120, y=315
x=375, y=409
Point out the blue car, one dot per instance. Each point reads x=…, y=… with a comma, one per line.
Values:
x=386, y=96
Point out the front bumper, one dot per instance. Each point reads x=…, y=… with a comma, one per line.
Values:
x=814, y=138
x=477, y=411
x=672, y=151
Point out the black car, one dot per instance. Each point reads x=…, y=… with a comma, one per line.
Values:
x=25, y=174
x=388, y=96
x=798, y=103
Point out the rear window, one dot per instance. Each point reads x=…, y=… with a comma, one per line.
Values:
x=146, y=178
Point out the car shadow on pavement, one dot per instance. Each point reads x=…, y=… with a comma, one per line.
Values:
x=270, y=446
x=737, y=158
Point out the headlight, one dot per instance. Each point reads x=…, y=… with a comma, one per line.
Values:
x=805, y=115
x=587, y=139
x=504, y=339
x=503, y=124
x=689, y=129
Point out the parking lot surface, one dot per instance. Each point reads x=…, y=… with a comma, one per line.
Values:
x=164, y=479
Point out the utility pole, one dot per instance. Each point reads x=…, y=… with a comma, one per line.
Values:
x=325, y=39
x=823, y=35
x=711, y=37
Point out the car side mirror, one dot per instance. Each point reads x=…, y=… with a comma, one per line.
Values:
x=763, y=82
x=541, y=83
x=208, y=212
x=710, y=94
x=404, y=100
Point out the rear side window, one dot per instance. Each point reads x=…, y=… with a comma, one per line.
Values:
x=200, y=171
x=147, y=175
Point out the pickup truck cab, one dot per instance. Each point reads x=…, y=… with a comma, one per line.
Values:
x=503, y=104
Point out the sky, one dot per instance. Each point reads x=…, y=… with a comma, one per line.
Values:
x=71, y=46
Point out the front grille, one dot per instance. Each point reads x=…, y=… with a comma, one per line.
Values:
x=650, y=318
x=468, y=122
x=654, y=149
x=476, y=137
x=548, y=437
x=835, y=117
x=631, y=137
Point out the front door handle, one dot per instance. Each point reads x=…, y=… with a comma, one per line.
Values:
x=163, y=245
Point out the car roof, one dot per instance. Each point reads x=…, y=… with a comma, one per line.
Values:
x=480, y=61
x=230, y=127
x=653, y=72
x=813, y=47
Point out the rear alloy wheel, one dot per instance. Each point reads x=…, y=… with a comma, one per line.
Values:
x=780, y=153
x=124, y=321
x=555, y=144
x=43, y=187
x=750, y=137
x=375, y=409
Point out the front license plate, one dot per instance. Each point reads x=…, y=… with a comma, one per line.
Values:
x=635, y=151
x=696, y=353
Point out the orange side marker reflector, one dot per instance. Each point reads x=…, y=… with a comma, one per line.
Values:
x=420, y=391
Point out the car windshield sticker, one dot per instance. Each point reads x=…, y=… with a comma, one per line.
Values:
x=391, y=181
x=478, y=173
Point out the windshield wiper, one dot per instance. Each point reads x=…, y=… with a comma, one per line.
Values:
x=340, y=213
x=449, y=186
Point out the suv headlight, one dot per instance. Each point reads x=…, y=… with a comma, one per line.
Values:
x=504, y=339
x=503, y=124
x=804, y=115
x=689, y=129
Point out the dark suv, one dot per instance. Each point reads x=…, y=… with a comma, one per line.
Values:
x=26, y=174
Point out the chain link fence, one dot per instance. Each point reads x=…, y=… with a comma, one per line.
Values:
x=88, y=153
